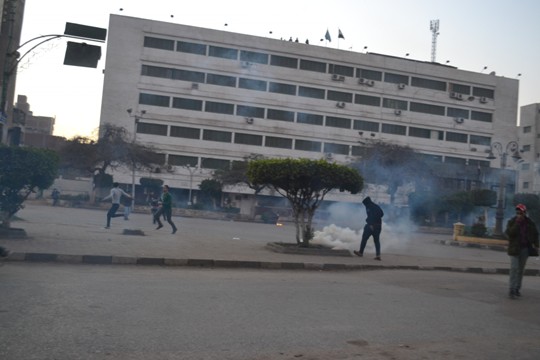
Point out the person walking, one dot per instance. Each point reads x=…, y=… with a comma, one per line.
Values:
x=165, y=209
x=55, y=196
x=127, y=202
x=115, y=196
x=522, y=236
x=373, y=227
x=154, y=206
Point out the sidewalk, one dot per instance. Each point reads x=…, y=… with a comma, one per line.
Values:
x=71, y=235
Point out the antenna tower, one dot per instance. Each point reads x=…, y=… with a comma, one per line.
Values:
x=434, y=27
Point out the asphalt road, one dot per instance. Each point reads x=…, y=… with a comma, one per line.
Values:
x=55, y=311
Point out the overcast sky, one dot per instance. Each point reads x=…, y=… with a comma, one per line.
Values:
x=503, y=36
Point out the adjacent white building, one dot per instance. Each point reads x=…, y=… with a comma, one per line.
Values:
x=206, y=97
x=529, y=140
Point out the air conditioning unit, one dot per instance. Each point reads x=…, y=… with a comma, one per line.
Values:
x=249, y=120
x=245, y=64
x=456, y=95
x=340, y=104
x=362, y=81
x=459, y=120
x=483, y=100
x=370, y=83
x=194, y=86
x=337, y=77
x=328, y=155
x=401, y=86
x=397, y=112
x=169, y=168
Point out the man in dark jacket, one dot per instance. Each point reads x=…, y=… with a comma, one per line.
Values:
x=373, y=227
x=522, y=234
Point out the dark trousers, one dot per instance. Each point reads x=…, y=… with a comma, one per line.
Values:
x=375, y=231
x=167, y=214
x=112, y=213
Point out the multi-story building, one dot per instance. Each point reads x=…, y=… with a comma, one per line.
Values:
x=529, y=140
x=205, y=98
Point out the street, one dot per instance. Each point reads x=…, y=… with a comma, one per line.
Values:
x=57, y=311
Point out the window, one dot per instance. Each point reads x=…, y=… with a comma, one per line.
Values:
x=367, y=100
x=396, y=78
x=395, y=104
x=313, y=119
x=209, y=163
x=182, y=160
x=394, y=129
x=152, y=129
x=281, y=88
x=192, y=48
x=525, y=185
x=462, y=89
x=254, y=57
x=220, y=108
x=187, y=104
x=481, y=92
x=481, y=116
x=278, y=142
x=157, y=43
x=480, y=140
x=216, y=135
x=427, y=108
x=525, y=167
x=459, y=113
x=455, y=160
x=338, y=122
x=366, y=125
x=222, y=80
x=369, y=74
x=359, y=151
x=526, y=148
x=419, y=132
x=311, y=92
x=250, y=111
x=336, y=148
x=456, y=137
x=252, y=84
x=187, y=75
x=312, y=65
x=155, y=100
x=282, y=115
x=527, y=129
x=156, y=71
x=185, y=132
x=339, y=96
x=428, y=83
x=307, y=145
x=284, y=61
x=341, y=70
x=221, y=52
x=430, y=157
x=248, y=139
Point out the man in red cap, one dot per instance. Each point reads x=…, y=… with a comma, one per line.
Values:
x=522, y=234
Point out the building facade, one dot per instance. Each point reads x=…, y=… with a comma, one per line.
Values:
x=529, y=140
x=206, y=97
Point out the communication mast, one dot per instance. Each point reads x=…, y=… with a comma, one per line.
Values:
x=434, y=27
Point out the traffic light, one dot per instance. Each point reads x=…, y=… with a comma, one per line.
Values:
x=82, y=54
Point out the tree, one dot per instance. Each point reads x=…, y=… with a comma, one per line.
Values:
x=236, y=174
x=304, y=183
x=391, y=165
x=211, y=191
x=22, y=171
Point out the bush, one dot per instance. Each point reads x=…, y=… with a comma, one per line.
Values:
x=479, y=230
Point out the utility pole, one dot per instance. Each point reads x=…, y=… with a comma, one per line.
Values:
x=434, y=27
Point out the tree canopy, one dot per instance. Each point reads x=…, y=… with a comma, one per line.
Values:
x=237, y=173
x=22, y=171
x=304, y=183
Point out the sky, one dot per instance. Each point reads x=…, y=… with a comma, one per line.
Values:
x=480, y=35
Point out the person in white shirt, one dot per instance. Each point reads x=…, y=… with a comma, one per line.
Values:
x=115, y=195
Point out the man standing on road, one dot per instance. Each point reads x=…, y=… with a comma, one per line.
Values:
x=373, y=227
x=115, y=195
x=522, y=235
x=165, y=209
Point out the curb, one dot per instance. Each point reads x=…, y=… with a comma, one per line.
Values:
x=240, y=264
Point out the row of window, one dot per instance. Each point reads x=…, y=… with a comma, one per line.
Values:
x=305, y=91
x=250, y=112
x=249, y=57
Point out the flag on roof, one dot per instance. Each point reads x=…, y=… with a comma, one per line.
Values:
x=340, y=35
x=327, y=36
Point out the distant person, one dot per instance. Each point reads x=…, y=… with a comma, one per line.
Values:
x=154, y=206
x=55, y=196
x=165, y=209
x=522, y=236
x=127, y=202
x=115, y=195
x=373, y=227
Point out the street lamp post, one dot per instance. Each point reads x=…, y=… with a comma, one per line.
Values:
x=191, y=171
x=511, y=148
x=136, y=116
